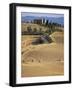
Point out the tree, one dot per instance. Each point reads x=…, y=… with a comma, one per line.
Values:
x=40, y=30
x=35, y=29
x=46, y=22
x=29, y=29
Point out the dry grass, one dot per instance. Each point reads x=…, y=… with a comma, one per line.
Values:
x=25, y=25
x=42, y=69
x=42, y=59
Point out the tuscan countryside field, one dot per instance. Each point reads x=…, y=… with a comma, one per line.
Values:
x=42, y=44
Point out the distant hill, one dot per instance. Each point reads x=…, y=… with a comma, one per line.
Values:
x=59, y=20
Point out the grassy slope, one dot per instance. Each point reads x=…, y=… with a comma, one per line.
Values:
x=48, y=59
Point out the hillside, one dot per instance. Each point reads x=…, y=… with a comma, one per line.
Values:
x=58, y=37
x=42, y=54
x=37, y=29
x=33, y=26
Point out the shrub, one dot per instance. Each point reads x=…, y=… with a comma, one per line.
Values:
x=29, y=29
x=35, y=30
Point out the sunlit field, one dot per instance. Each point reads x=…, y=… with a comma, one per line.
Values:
x=42, y=55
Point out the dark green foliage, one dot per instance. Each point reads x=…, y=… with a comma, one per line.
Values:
x=29, y=29
x=46, y=22
x=40, y=29
x=42, y=39
x=35, y=30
